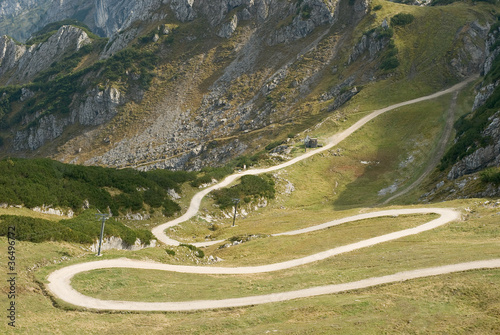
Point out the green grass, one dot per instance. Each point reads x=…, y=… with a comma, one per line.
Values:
x=459, y=303
x=343, y=182
x=464, y=303
x=116, y=284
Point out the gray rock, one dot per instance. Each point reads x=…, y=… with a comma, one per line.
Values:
x=28, y=62
x=98, y=107
x=228, y=28
x=482, y=157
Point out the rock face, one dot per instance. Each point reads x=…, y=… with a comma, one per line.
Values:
x=114, y=242
x=483, y=157
x=489, y=155
x=10, y=53
x=21, y=18
x=471, y=57
x=98, y=107
x=27, y=62
x=216, y=92
x=372, y=43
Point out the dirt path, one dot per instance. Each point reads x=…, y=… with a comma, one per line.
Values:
x=61, y=287
x=60, y=280
x=440, y=150
x=159, y=231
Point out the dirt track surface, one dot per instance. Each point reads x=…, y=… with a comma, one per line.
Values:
x=60, y=280
x=159, y=231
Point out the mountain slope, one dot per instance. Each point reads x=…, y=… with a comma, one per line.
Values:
x=190, y=84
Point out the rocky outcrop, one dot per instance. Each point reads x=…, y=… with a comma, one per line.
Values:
x=98, y=107
x=228, y=28
x=27, y=62
x=483, y=94
x=183, y=9
x=488, y=155
x=306, y=16
x=47, y=129
x=94, y=108
x=114, y=242
x=470, y=57
x=482, y=157
x=10, y=53
x=371, y=44
x=492, y=50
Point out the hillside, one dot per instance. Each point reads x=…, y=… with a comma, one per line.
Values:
x=187, y=121
x=187, y=88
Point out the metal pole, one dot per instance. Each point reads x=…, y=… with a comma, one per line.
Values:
x=103, y=218
x=236, y=201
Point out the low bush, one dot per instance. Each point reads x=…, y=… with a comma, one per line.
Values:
x=170, y=252
x=45, y=182
x=491, y=175
x=251, y=187
x=402, y=19
x=197, y=252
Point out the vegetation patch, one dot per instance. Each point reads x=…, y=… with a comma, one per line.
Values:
x=491, y=175
x=82, y=229
x=402, y=19
x=41, y=182
x=197, y=251
x=251, y=187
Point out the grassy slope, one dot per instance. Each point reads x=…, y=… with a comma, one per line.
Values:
x=459, y=303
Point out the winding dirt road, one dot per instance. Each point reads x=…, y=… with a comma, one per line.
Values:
x=60, y=280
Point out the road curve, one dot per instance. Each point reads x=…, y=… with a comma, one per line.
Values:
x=159, y=231
x=60, y=280
x=78, y=299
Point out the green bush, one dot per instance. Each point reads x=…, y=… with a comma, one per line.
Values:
x=389, y=63
x=491, y=175
x=170, y=252
x=402, y=19
x=250, y=187
x=273, y=145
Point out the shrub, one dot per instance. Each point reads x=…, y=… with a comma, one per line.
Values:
x=273, y=145
x=402, y=19
x=491, y=175
x=389, y=63
x=46, y=182
x=377, y=7
x=306, y=12
x=197, y=252
x=250, y=187
x=170, y=252
x=82, y=229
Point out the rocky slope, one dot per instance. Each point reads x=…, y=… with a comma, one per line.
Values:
x=183, y=84
x=477, y=145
